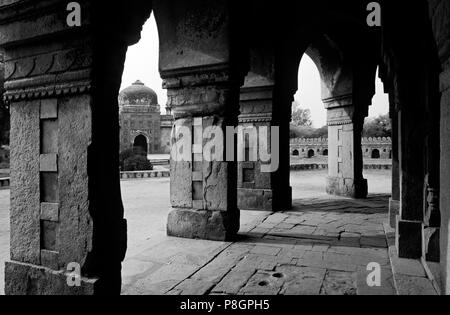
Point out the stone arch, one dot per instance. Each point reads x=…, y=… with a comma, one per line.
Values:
x=311, y=153
x=375, y=154
x=295, y=153
x=141, y=143
x=325, y=152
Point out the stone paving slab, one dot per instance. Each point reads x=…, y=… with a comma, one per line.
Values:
x=318, y=249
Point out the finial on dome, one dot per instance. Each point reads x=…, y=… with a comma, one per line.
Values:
x=138, y=82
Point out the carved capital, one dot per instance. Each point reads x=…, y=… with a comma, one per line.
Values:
x=201, y=91
x=256, y=104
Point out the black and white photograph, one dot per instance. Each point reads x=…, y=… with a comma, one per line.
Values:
x=224, y=154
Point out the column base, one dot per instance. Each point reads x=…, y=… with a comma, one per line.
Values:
x=203, y=224
x=282, y=199
x=394, y=210
x=409, y=239
x=264, y=199
x=26, y=279
x=255, y=199
x=347, y=187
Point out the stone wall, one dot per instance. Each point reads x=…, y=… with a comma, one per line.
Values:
x=371, y=147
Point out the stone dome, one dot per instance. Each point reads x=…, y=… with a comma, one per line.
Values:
x=138, y=94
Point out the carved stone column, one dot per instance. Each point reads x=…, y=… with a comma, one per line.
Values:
x=345, y=164
x=203, y=190
x=409, y=238
x=62, y=83
x=255, y=190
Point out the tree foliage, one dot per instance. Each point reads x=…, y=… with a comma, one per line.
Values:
x=308, y=132
x=378, y=127
x=301, y=117
x=134, y=160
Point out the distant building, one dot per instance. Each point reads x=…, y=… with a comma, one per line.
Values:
x=141, y=123
x=372, y=148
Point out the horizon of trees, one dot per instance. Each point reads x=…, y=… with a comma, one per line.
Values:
x=301, y=126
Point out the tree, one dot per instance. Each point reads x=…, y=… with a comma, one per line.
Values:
x=308, y=132
x=134, y=159
x=301, y=117
x=378, y=127
x=321, y=132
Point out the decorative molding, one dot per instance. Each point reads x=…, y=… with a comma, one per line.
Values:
x=255, y=118
x=338, y=101
x=340, y=122
x=195, y=76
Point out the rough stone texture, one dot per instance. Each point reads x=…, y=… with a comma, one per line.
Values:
x=347, y=187
x=345, y=164
x=414, y=286
x=255, y=199
x=76, y=226
x=25, y=193
x=24, y=279
x=394, y=208
x=339, y=283
x=203, y=224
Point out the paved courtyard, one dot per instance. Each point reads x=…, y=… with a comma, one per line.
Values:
x=322, y=246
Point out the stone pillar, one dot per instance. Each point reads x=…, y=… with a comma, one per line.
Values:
x=203, y=192
x=394, y=201
x=68, y=233
x=409, y=236
x=345, y=163
x=445, y=180
x=281, y=180
x=255, y=190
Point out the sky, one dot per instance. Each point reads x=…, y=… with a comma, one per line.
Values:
x=309, y=94
x=142, y=64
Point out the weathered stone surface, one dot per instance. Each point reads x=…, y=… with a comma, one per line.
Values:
x=194, y=287
x=263, y=283
x=24, y=279
x=75, y=235
x=255, y=199
x=202, y=224
x=234, y=281
x=409, y=285
x=386, y=287
x=301, y=280
x=265, y=250
x=339, y=283
x=25, y=193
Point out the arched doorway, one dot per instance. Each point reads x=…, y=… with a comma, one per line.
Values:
x=375, y=154
x=295, y=153
x=325, y=152
x=311, y=153
x=141, y=144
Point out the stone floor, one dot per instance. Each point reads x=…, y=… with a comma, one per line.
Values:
x=322, y=246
